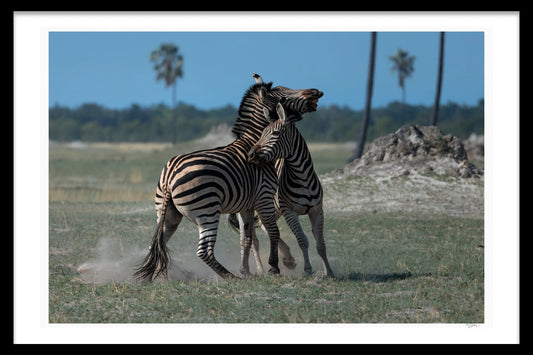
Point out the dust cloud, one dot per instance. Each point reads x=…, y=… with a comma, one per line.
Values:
x=116, y=259
x=116, y=263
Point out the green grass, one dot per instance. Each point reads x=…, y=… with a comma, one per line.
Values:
x=391, y=267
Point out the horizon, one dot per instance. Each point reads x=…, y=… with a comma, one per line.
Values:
x=229, y=105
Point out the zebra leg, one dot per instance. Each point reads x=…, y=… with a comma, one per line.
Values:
x=235, y=224
x=316, y=216
x=269, y=221
x=291, y=218
x=206, y=246
x=172, y=220
x=255, y=252
x=288, y=259
x=246, y=226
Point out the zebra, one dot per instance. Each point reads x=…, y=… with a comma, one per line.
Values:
x=278, y=149
x=205, y=184
x=299, y=193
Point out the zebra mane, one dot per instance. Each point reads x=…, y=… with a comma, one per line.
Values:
x=250, y=115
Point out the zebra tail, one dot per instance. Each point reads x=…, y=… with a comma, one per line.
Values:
x=157, y=260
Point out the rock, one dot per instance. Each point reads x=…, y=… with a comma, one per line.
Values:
x=414, y=148
x=475, y=146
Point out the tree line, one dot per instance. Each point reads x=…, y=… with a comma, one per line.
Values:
x=95, y=123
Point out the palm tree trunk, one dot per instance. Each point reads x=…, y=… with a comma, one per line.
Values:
x=368, y=103
x=439, y=81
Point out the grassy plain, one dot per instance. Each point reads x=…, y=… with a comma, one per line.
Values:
x=406, y=249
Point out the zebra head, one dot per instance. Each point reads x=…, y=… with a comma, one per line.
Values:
x=262, y=95
x=297, y=101
x=276, y=139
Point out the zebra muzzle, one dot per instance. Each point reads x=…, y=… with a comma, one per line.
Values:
x=312, y=98
x=255, y=156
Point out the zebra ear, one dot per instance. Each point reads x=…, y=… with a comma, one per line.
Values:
x=281, y=113
x=257, y=78
x=266, y=113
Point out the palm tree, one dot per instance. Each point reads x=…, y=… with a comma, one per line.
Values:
x=403, y=64
x=169, y=66
x=369, y=85
x=439, y=81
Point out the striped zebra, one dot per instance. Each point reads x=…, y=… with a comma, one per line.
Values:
x=299, y=193
x=205, y=184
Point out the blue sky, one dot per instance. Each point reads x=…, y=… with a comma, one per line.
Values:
x=113, y=68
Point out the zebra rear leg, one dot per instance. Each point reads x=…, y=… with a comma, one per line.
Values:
x=269, y=222
x=172, y=220
x=255, y=251
x=235, y=224
x=316, y=216
x=206, y=247
x=246, y=227
x=287, y=258
x=291, y=218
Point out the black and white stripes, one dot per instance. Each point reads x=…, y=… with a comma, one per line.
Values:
x=299, y=189
x=205, y=184
x=300, y=193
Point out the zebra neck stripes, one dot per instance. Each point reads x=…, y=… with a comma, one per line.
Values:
x=251, y=117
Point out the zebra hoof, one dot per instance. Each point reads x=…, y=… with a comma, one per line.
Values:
x=231, y=276
x=245, y=272
x=274, y=271
x=289, y=263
